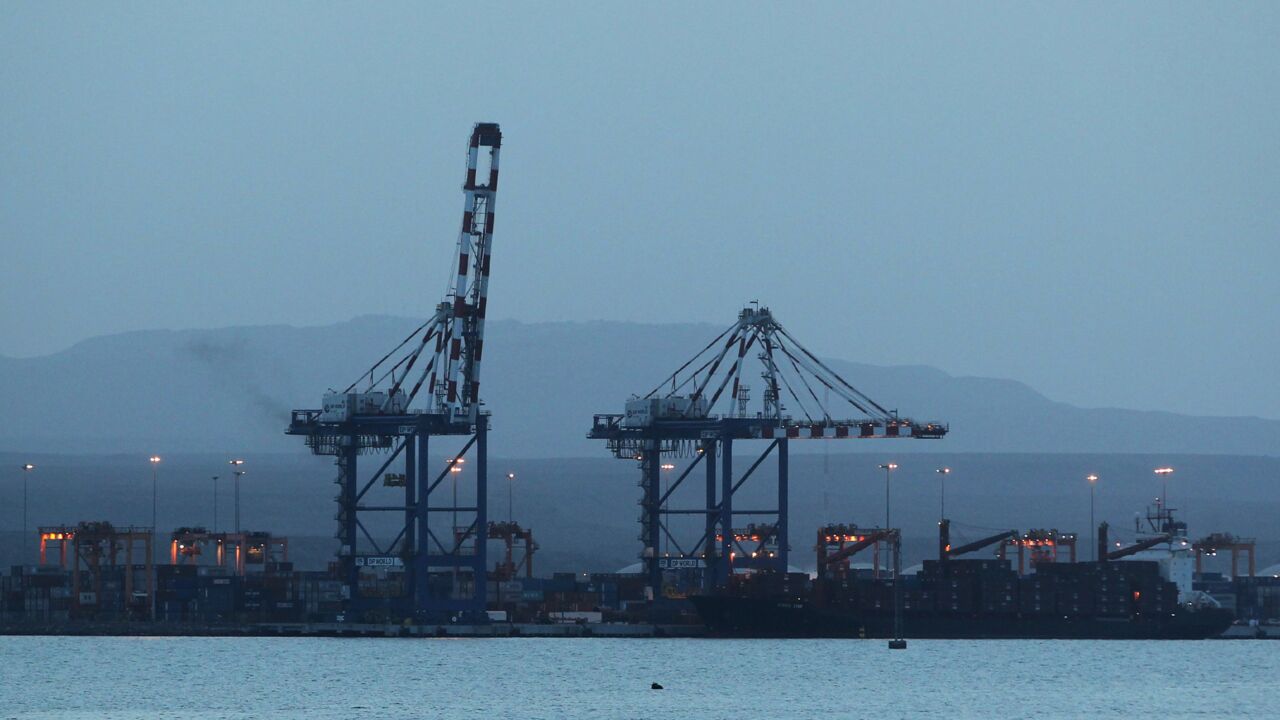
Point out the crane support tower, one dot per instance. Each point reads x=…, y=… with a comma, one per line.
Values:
x=430, y=549
x=679, y=419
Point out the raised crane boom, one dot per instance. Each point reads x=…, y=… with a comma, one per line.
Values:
x=471, y=288
x=446, y=357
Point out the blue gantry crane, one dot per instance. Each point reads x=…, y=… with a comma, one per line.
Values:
x=433, y=564
x=679, y=418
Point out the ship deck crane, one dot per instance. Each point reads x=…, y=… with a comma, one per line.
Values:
x=1105, y=553
x=703, y=408
x=946, y=551
x=437, y=366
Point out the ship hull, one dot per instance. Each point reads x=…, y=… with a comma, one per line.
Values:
x=729, y=616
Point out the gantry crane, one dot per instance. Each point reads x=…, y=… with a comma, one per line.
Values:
x=1213, y=542
x=518, y=549
x=838, y=543
x=188, y=544
x=95, y=549
x=1043, y=546
x=437, y=366
x=679, y=418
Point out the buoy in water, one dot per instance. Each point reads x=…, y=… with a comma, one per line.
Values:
x=655, y=686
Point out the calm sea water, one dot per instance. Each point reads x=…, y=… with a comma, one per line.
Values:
x=57, y=677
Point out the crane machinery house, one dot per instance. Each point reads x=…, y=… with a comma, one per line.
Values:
x=340, y=407
x=641, y=412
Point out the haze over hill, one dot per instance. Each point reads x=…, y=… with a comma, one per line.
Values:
x=231, y=389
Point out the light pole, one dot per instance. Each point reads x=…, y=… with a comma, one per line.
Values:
x=511, y=482
x=1164, y=473
x=215, y=503
x=26, y=470
x=666, y=469
x=896, y=643
x=1093, y=540
x=888, y=469
x=155, y=471
x=155, y=468
x=1166, y=521
x=455, y=468
x=236, y=492
x=943, y=472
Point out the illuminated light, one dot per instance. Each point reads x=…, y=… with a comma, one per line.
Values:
x=1092, y=478
x=155, y=459
x=28, y=466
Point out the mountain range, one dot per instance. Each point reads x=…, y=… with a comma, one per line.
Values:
x=231, y=389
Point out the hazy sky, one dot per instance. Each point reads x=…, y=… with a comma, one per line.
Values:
x=1082, y=197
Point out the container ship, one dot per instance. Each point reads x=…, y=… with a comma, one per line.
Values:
x=968, y=599
x=1142, y=591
